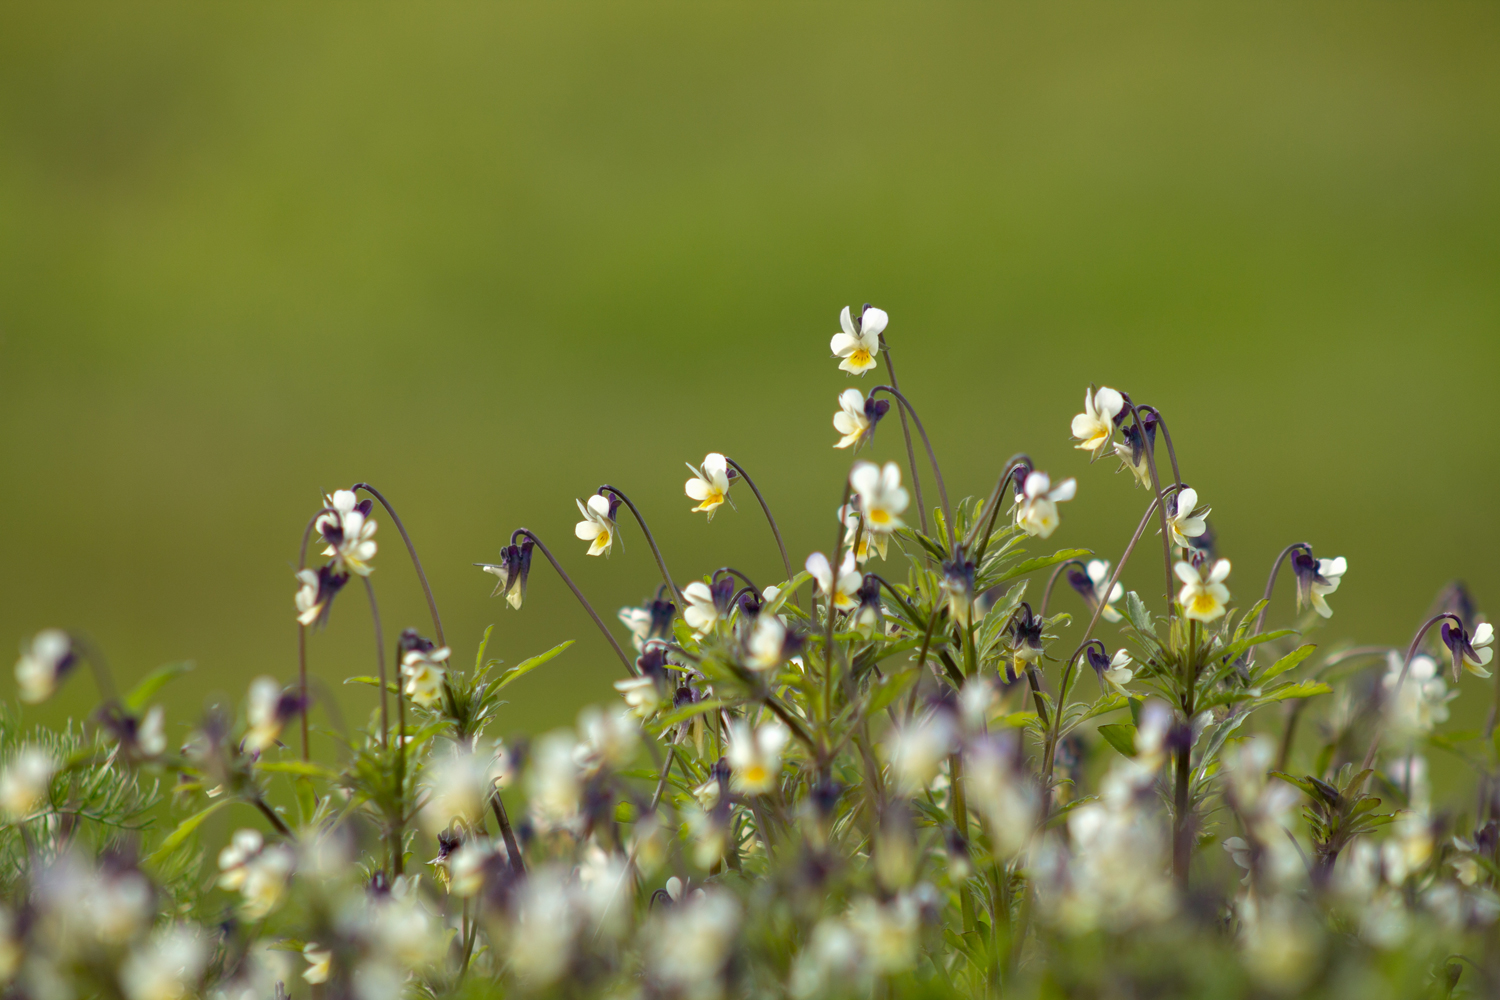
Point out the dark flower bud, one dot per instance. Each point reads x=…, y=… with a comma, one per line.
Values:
x=411, y=641
x=870, y=612
x=1097, y=658
x=1026, y=641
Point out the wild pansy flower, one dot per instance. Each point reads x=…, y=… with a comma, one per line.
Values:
x=860, y=340
x=1115, y=671
x=868, y=617
x=845, y=588
x=770, y=643
x=917, y=750
x=857, y=418
x=348, y=531
x=1094, y=428
x=318, y=587
x=512, y=569
x=710, y=483
x=43, y=664
x=424, y=666
x=958, y=585
x=1036, y=505
x=1203, y=597
x=856, y=538
x=1132, y=453
x=26, y=782
x=1471, y=652
x=319, y=963
x=1184, y=520
x=1026, y=642
x=598, y=524
x=267, y=711
x=653, y=621
x=258, y=873
x=1316, y=578
x=641, y=695
x=755, y=756
x=140, y=738
x=882, y=498
x=707, y=604
x=1091, y=582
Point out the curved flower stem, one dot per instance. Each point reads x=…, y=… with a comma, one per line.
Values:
x=910, y=610
x=437, y=623
x=98, y=666
x=385, y=723
x=517, y=864
x=937, y=473
x=271, y=817
x=1052, y=582
x=1411, y=652
x=528, y=533
x=650, y=539
x=838, y=557
x=911, y=452
x=1050, y=750
x=737, y=467
x=734, y=572
x=1260, y=619
x=992, y=506
x=1161, y=497
x=302, y=631
x=1171, y=451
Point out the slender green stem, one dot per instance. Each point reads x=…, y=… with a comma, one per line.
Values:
x=911, y=452
x=615, y=645
x=1260, y=619
x=1052, y=582
x=992, y=505
x=937, y=472
x=1166, y=535
x=770, y=519
x=838, y=556
x=302, y=633
x=271, y=817
x=385, y=721
x=437, y=622
x=650, y=539
x=517, y=863
x=1411, y=653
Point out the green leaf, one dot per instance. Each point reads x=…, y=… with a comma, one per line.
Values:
x=688, y=711
x=479, y=656
x=1288, y=662
x=300, y=768
x=1039, y=562
x=373, y=682
x=527, y=666
x=184, y=830
x=1135, y=610
x=1302, y=783
x=885, y=691
x=307, y=798
x=786, y=591
x=1302, y=689
x=1121, y=736
x=154, y=682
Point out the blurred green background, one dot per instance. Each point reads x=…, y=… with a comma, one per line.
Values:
x=488, y=257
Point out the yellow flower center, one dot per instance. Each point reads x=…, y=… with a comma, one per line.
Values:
x=878, y=515
x=860, y=357
x=1202, y=603
x=755, y=775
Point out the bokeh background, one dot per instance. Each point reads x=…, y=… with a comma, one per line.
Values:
x=488, y=257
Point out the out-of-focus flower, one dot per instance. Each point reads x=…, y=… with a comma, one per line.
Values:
x=1203, y=596
x=1091, y=583
x=642, y=695
x=319, y=963
x=609, y=739
x=553, y=781
x=871, y=613
x=169, y=966
x=710, y=483
x=1184, y=521
x=706, y=604
x=1026, y=642
x=1036, y=506
x=845, y=588
x=476, y=863
x=267, y=711
x=1316, y=578
x=259, y=873
x=142, y=738
x=957, y=584
x=888, y=931
x=856, y=538
x=542, y=945
x=859, y=342
x=598, y=524
x=654, y=621
x=1094, y=428
x=917, y=750
x=832, y=963
x=43, y=664
x=458, y=787
x=315, y=593
x=755, y=756
x=1132, y=453
x=424, y=666
x=857, y=418
x=1470, y=652
x=1119, y=673
x=512, y=570
x=26, y=782
x=1002, y=792
x=882, y=498
x=349, y=532
x=770, y=643
x=688, y=955
x=1422, y=702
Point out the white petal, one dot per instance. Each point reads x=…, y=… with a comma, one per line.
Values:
x=1187, y=499
x=1187, y=574
x=698, y=592
x=846, y=321
x=852, y=401
x=1098, y=571
x=890, y=477
x=1085, y=426
x=1220, y=571
x=845, y=423
x=817, y=565
x=1066, y=490
x=599, y=505
x=716, y=467
x=1037, y=484
x=698, y=489
x=1331, y=568
x=864, y=477
x=587, y=530
x=1108, y=403
x=872, y=322
x=843, y=344
x=1484, y=634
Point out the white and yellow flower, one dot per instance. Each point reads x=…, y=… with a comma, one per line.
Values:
x=770, y=643
x=1120, y=671
x=1185, y=520
x=1092, y=585
x=1203, y=596
x=598, y=525
x=755, y=756
x=857, y=418
x=315, y=593
x=267, y=710
x=710, y=483
x=424, y=671
x=349, y=532
x=26, y=782
x=1036, y=507
x=882, y=498
x=43, y=664
x=319, y=963
x=858, y=540
x=641, y=695
x=844, y=590
x=706, y=605
x=1094, y=428
x=1472, y=652
x=1316, y=579
x=859, y=342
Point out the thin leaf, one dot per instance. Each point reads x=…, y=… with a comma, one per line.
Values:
x=892, y=687
x=154, y=682
x=479, y=656
x=688, y=711
x=1121, y=736
x=373, y=682
x=1288, y=662
x=1039, y=562
x=185, y=830
x=301, y=768
x=527, y=666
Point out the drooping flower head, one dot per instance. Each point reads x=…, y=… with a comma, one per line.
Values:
x=770, y=643
x=598, y=524
x=1036, y=506
x=1026, y=642
x=710, y=483
x=1316, y=578
x=424, y=667
x=316, y=592
x=707, y=604
x=882, y=498
x=857, y=418
x=140, y=737
x=755, y=756
x=1203, y=596
x=512, y=570
x=1094, y=428
x=1471, y=652
x=1185, y=520
x=860, y=340
x=652, y=621
x=267, y=712
x=348, y=531
x=44, y=662
x=957, y=585
x=870, y=613
x=1091, y=582
x=1132, y=453
x=845, y=589
x=856, y=538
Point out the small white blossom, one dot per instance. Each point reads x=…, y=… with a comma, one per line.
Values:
x=26, y=782
x=688, y=954
x=609, y=738
x=641, y=695
x=702, y=611
x=1183, y=522
x=169, y=966
x=844, y=590
x=458, y=787
x=858, y=345
x=766, y=647
x=1036, y=508
x=859, y=540
x=855, y=420
x=888, y=931
x=1330, y=573
x=917, y=750
x=882, y=498
x=266, y=711
x=553, y=780
x=1119, y=673
x=1094, y=428
x=1203, y=596
x=597, y=526
x=319, y=963
x=1098, y=574
x=257, y=872
x=1422, y=702
x=710, y=483
x=349, y=532
x=755, y=756
x=43, y=663
x=424, y=671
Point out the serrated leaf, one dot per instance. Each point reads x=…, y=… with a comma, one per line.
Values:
x=1288, y=662
x=154, y=682
x=1135, y=610
x=1121, y=736
x=184, y=830
x=525, y=667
